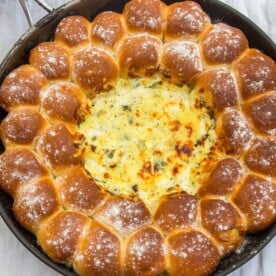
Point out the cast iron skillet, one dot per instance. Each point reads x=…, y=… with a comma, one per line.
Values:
x=44, y=30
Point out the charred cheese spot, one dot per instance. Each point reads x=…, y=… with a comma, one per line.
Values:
x=149, y=137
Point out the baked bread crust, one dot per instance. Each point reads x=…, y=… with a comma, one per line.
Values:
x=83, y=225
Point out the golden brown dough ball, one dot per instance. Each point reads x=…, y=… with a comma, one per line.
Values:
x=223, y=44
x=78, y=191
x=185, y=20
x=223, y=179
x=62, y=101
x=192, y=253
x=145, y=16
x=233, y=131
x=56, y=147
x=73, y=30
x=139, y=55
x=98, y=253
x=107, y=29
x=181, y=61
x=261, y=156
x=34, y=202
x=52, y=59
x=94, y=69
x=125, y=215
x=176, y=211
x=262, y=113
x=256, y=72
x=60, y=235
x=145, y=253
x=18, y=166
x=21, y=86
x=21, y=126
x=221, y=84
x=223, y=221
x=256, y=198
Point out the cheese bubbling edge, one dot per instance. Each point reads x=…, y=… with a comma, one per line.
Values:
x=148, y=138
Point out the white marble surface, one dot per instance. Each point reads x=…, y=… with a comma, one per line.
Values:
x=14, y=258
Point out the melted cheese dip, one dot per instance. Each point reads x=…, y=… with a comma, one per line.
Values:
x=147, y=137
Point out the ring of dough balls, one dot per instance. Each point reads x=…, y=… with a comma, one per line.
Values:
x=84, y=226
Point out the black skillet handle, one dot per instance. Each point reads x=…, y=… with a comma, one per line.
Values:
x=26, y=9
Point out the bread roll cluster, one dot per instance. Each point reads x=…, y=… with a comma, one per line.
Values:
x=79, y=224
